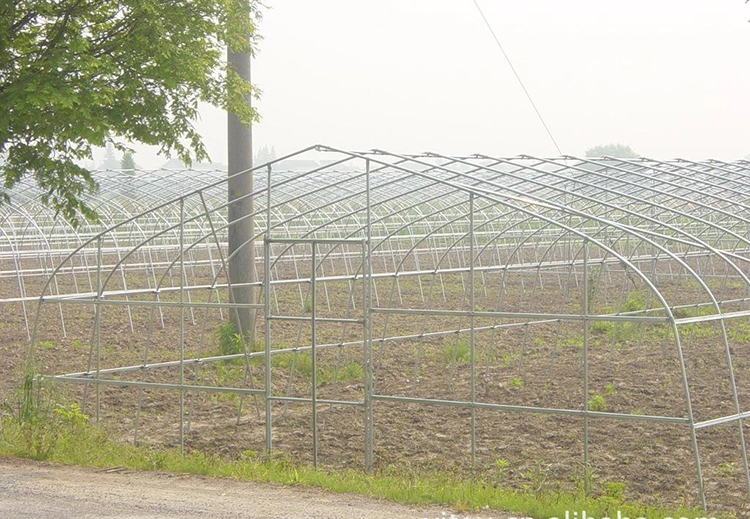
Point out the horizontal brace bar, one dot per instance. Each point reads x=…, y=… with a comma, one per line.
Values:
x=63, y=298
x=167, y=364
x=121, y=302
x=321, y=241
x=722, y=420
x=317, y=319
x=309, y=400
x=205, y=360
x=299, y=349
x=154, y=385
x=712, y=317
x=529, y=409
x=521, y=315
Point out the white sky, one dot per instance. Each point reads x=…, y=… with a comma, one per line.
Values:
x=670, y=78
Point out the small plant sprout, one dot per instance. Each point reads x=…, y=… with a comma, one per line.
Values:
x=597, y=403
x=726, y=469
x=502, y=464
x=614, y=491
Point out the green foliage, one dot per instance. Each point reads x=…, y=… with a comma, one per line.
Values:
x=110, y=161
x=128, y=162
x=741, y=331
x=228, y=376
x=301, y=364
x=72, y=415
x=597, y=403
x=602, y=327
x=458, y=352
x=350, y=372
x=634, y=303
x=612, y=150
x=230, y=342
x=77, y=442
x=609, y=389
x=726, y=470
x=37, y=422
x=75, y=74
x=516, y=382
x=695, y=311
x=502, y=464
x=614, y=492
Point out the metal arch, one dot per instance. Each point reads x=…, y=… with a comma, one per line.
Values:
x=627, y=229
x=540, y=203
x=665, y=183
x=645, y=201
x=663, y=219
x=661, y=223
x=668, y=310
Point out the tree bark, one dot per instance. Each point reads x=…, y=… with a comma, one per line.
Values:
x=241, y=249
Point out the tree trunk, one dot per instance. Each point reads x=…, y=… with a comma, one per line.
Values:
x=241, y=250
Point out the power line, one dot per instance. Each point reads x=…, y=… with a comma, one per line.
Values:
x=528, y=96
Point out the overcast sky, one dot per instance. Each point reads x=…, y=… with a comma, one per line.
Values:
x=669, y=78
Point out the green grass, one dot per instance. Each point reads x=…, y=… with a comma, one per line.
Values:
x=597, y=403
x=634, y=303
x=81, y=444
x=302, y=364
x=739, y=331
x=602, y=327
x=230, y=342
x=40, y=426
x=458, y=352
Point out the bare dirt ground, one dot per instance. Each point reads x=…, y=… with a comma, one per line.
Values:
x=41, y=490
x=634, y=370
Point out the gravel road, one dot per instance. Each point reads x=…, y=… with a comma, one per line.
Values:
x=40, y=490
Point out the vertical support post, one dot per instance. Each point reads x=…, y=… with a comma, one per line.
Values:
x=367, y=296
x=182, y=326
x=97, y=324
x=313, y=342
x=472, y=333
x=691, y=416
x=22, y=292
x=585, y=311
x=267, y=337
x=267, y=310
x=736, y=402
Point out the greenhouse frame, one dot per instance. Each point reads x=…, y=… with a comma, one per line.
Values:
x=581, y=291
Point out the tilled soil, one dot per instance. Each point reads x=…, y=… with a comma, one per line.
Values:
x=634, y=371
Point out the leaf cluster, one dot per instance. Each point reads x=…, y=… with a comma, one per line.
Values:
x=75, y=74
x=621, y=151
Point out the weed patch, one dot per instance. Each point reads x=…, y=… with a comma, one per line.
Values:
x=44, y=428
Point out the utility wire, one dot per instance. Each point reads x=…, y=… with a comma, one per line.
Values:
x=528, y=96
